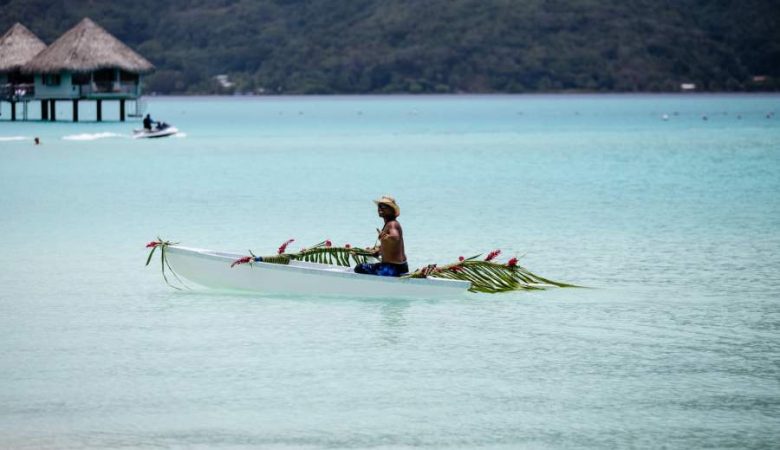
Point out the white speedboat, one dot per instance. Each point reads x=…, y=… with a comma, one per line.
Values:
x=217, y=270
x=162, y=129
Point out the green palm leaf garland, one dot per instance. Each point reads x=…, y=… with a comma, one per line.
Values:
x=488, y=276
x=323, y=253
x=161, y=244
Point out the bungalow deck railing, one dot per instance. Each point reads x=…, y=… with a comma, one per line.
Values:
x=108, y=88
x=17, y=92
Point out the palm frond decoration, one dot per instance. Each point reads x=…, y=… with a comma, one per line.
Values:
x=488, y=276
x=325, y=253
x=322, y=253
x=162, y=244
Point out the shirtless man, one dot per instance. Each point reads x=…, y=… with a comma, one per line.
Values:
x=391, y=243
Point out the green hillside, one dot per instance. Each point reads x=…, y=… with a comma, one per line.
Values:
x=447, y=46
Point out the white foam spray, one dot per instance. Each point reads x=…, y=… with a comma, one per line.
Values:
x=92, y=136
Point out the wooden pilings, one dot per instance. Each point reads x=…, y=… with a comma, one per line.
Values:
x=49, y=109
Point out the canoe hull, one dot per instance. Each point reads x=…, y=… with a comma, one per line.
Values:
x=212, y=270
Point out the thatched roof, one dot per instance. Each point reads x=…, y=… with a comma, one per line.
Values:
x=18, y=46
x=85, y=48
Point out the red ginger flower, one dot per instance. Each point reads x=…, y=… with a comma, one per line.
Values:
x=460, y=258
x=456, y=268
x=328, y=243
x=512, y=262
x=152, y=244
x=283, y=247
x=243, y=260
x=347, y=246
x=492, y=255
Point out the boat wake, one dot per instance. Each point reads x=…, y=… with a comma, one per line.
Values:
x=180, y=135
x=13, y=138
x=92, y=136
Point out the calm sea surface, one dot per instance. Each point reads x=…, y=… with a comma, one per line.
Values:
x=674, y=224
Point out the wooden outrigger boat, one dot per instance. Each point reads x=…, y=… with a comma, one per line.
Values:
x=326, y=270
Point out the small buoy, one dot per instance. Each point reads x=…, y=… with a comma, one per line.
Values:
x=665, y=117
x=704, y=117
x=37, y=141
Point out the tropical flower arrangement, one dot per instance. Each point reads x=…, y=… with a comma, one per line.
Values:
x=486, y=275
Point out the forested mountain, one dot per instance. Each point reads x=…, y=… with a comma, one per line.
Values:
x=388, y=46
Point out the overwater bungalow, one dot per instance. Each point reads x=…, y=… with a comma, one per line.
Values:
x=86, y=63
x=17, y=47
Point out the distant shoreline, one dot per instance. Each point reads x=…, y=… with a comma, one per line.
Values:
x=432, y=95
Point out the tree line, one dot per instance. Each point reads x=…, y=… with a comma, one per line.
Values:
x=433, y=46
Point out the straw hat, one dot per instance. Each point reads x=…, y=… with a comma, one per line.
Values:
x=389, y=201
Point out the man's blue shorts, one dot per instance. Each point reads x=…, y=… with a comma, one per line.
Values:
x=382, y=269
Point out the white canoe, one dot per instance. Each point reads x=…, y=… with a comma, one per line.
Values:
x=155, y=133
x=212, y=269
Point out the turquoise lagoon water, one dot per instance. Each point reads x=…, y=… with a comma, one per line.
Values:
x=674, y=224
